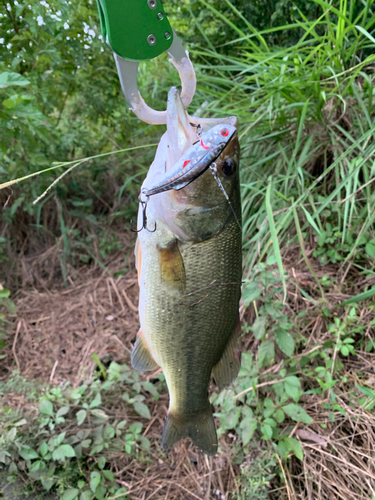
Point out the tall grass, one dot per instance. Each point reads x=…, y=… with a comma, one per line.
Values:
x=307, y=129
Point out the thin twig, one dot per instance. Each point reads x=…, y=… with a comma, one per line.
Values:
x=15, y=342
x=129, y=302
x=286, y=481
x=263, y=384
x=53, y=370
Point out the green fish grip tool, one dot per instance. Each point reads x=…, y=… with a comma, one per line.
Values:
x=139, y=30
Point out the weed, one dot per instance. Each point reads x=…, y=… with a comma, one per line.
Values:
x=67, y=446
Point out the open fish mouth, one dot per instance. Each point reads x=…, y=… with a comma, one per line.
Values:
x=190, y=152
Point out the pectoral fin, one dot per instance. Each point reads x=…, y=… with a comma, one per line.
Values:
x=226, y=370
x=141, y=356
x=172, y=269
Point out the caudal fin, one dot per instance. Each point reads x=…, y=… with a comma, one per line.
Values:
x=199, y=427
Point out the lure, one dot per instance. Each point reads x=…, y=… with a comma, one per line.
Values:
x=196, y=160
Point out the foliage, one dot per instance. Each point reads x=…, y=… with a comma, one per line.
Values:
x=7, y=307
x=68, y=444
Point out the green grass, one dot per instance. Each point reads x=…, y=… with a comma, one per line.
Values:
x=307, y=128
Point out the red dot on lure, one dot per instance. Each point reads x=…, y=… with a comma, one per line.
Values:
x=225, y=132
x=185, y=163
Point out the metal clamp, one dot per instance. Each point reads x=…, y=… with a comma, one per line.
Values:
x=137, y=31
x=128, y=70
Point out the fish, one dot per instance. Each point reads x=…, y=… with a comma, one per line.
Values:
x=189, y=275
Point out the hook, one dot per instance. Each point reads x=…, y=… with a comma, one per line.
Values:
x=199, y=130
x=144, y=217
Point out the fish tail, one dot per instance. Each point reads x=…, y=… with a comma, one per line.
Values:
x=199, y=427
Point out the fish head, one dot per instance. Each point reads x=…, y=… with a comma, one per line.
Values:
x=200, y=210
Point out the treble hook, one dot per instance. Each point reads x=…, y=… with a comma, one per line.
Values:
x=144, y=217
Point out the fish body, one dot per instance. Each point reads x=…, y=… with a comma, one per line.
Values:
x=189, y=273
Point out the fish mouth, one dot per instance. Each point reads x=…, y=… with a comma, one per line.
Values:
x=180, y=133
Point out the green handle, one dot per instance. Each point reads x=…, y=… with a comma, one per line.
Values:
x=135, y=29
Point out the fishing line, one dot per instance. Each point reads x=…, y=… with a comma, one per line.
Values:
x=213, y=168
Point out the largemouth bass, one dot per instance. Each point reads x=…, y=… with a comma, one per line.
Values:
x=189, y=273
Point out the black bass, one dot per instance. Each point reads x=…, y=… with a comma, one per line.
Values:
x=189, y=273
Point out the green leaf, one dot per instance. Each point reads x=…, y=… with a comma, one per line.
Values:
x=70, y=494
x=296, y=413
x=109, y=475
x=86, y=495
x=295, y=446
x=63, y=451
x=279, y=415
x=266, y=353
x=250, y=293
x=142, y=409
x=248, y=431
x=136, y=427
x=59, y=439
x=9, y=78
x=47, y=483
x=311, y=220
x=97, y=401
x=366, y=391
x=37, y=465
x=149, y=387
x=44, y=449
x=120, y=493
x=267, y=431
x=101, y=462
x=62, y=411
x=109, y=432
x=81, y=416
x=292, y=387
x=46, y=407
x=285, y=341
x=144, y=443
x=28, y=453
x=4, y=293
x=23, y=421
x=269, y=407
x=344, y=350
x=370, y=248
x=270, y=421
x=358, y=298
x=95, y=479
x=100, y=492
x=274, y=239
x=259, y=327
x=9, y=103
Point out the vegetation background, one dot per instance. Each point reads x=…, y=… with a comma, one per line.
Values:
x=76, y=421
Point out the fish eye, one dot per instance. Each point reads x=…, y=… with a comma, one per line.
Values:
x=225, y=132
x=228, y=167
